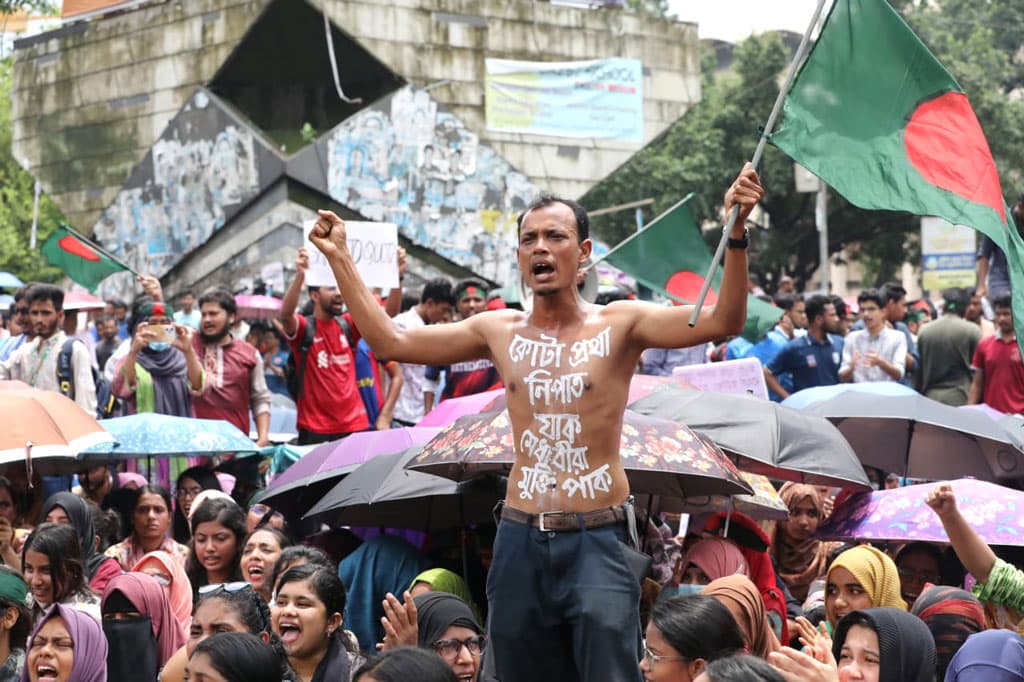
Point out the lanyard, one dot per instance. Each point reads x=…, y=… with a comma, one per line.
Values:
x=42, y=359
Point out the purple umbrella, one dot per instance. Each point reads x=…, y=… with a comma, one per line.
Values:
x=305, y=482
x=995, y=512
x=449, y=410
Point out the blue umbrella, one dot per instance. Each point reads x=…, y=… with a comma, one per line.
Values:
x=160, y=435
x=9, y=281
x=810, y=396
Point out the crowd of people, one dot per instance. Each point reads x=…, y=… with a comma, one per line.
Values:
x=181, y=576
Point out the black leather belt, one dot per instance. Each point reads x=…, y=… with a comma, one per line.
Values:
x=567, y=521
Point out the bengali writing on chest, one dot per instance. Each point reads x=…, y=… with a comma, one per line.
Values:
x=558, y=378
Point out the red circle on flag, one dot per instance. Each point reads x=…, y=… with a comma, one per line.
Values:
x=946, y=145
x=77, y=248
x=686, y=285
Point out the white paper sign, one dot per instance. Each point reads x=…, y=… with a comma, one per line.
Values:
x=732, y=376
x=374, y=248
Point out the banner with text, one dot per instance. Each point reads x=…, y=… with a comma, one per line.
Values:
x=947, y=255
x=374, y=248
x=594, y=99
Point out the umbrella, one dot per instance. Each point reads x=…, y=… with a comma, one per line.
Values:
x=6, y=301
x=764, y=504
x=660, y=457
x=382, y=492
x=765, y=438
x=45, y=425
x=10, y=281
x=995, y=512
x=810, y=396
x=148, y=434
x=305, y=482
x=449, y=410
x=82, y=300
x=990, y=412
x=257, y=307
x=918, y=437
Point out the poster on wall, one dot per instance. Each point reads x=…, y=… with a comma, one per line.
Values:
x=600, y=99
x=947, y=255
x=374, y=248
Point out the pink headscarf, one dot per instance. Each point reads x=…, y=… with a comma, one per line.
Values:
x=717, y=557
x=149, y=598
x=180, y=589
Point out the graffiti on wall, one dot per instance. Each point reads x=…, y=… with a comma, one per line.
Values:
x=200, y=172
x=406, y=162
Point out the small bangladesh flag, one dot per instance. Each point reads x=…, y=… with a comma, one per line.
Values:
x=670, y=257
x=877, y=117
x=80, y=260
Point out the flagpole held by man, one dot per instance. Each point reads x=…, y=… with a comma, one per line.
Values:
x=559, y=564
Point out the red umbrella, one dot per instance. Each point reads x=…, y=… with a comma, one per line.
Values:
x=257, y=307
x=82, y=300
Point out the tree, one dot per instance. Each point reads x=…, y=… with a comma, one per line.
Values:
x=977, y=41
x=650, y=8
x=17, y=192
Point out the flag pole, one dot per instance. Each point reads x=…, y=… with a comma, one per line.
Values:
x=636, y=234
x=99, y=248
x=758, y=153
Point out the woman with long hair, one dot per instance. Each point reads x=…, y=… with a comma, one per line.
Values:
x=685, y=634
x=234, y=657
x=191, y=482
x=218, y=531
x=151, y=521
x=260, y=552
x=53, y=570
x=72, y=510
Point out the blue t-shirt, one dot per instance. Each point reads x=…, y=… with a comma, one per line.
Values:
x=765, y=351
x=810, y=363
x=735, y=349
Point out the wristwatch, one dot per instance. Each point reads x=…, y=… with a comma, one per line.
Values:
x=740, y=243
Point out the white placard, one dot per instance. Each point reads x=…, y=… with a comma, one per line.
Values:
x=731, y=376
x=374, y=248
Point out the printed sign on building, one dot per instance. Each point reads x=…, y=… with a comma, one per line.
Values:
x=593, y=99
x=947, y=254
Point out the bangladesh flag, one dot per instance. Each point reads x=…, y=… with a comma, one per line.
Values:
x=670, y=257
x=877, y=117
x=80, y=260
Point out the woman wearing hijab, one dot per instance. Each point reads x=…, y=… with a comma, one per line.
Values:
x=443, y=580
x=709, y=559
x=166, y=570
x=138, y=593
x=66, y=644
x=15, y=624
x=952, y=615
x=380, y=565
x=446, y=625
x=861, y=578
x=888, y=645
x=72, y=510
x=990, y=656
x=799, y=557
x=744, y=602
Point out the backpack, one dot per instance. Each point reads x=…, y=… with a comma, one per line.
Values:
x=295, y=367
x=106, y=401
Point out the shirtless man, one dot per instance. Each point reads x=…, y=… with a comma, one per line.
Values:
x=563, y=600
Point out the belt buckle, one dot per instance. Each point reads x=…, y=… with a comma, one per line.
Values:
x=540, y=521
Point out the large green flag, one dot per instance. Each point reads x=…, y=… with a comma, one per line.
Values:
x=877, y=117
x=79, y=259
x=670, y=257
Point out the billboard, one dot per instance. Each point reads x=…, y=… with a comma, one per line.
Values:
x=947, y=254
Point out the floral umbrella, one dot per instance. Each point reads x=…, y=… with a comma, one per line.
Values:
x=994, y=511
x=660, y=457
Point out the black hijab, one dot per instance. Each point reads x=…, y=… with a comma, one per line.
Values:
x=131, y=649
x=906, y=647
x=438, y=611
x=85, y=527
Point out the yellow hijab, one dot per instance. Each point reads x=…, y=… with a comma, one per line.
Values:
x=875, y=572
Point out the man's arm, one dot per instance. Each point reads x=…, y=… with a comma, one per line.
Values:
x=395, y=381
x=393, y=304
x=849, y=363
x=976, y=393
x=982, y=267
x=85, y=387
x=773, y=384
x=259, y=401
x=973, y=552
x=660, y=327
x=286, y=316
x=435, y=344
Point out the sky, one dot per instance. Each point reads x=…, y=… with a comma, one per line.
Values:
x=734, y=20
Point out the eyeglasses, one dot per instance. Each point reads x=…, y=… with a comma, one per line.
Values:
x=188, y=492
x=653, y=658
x=449, y=649
x=240, y=588
x=266, y=514
x=230, y=588
x=21, y=311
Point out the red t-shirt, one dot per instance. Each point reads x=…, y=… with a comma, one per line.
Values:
x=330, y=401
x=1003, y=373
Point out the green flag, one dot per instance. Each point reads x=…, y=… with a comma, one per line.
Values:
x=80, y=260
x=877, y=117
x=670, y=257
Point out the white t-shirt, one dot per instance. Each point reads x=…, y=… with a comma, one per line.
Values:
x=891, y=346
x=409, y=407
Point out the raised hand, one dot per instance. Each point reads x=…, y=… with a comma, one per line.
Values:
x=399, y=621
x=403, y=261
x=746, y=192
x=942, y=500
x=183, y=338
x=328, y=234
x=302, y=261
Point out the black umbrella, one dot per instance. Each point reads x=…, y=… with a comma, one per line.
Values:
x=765, y=438
x=918, y=437
x=381, y=492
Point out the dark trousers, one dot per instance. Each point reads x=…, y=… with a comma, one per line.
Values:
x=310, y=438
x=563, y=606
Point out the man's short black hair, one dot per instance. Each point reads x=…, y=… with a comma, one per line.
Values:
x=116, y=303
x=187, y=292
x=815, y=307
x=840, y=305
x=22, y=293
x=580, y=213
x=47, y=292
x=873, y=295
x=1003, y=301
x=955, y=300
x=438, y=290
x=221, y=297
x=786, y=301
x=892, y=292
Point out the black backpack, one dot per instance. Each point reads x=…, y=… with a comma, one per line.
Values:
x=295, y=368
x=106, y=401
